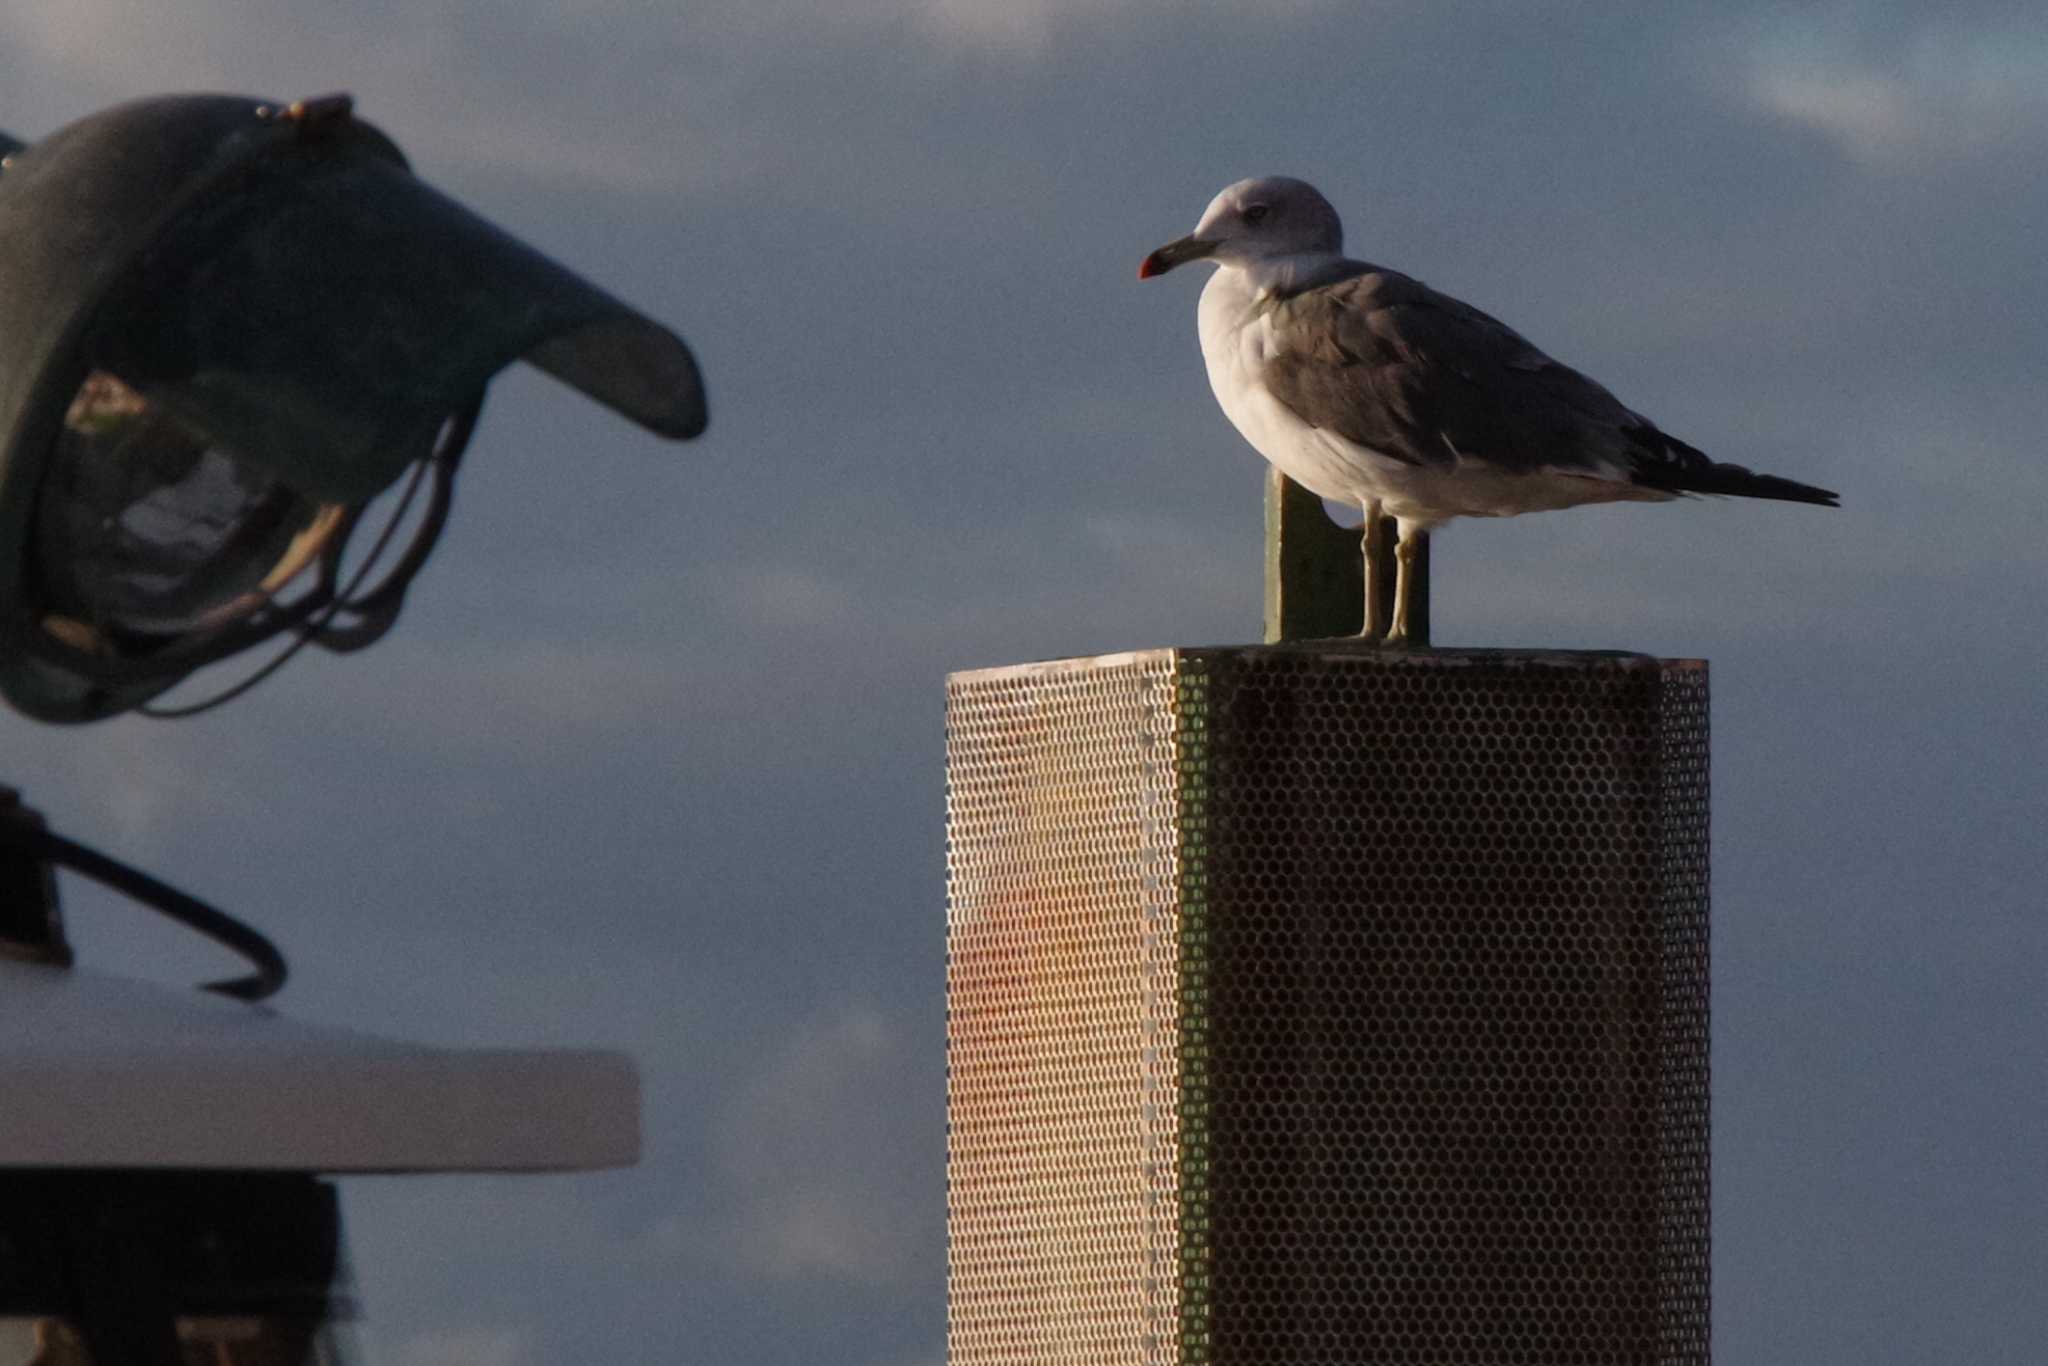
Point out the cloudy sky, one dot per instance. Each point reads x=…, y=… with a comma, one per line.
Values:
x=654, y=759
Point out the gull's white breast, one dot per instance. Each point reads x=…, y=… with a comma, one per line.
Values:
x=1237, y=341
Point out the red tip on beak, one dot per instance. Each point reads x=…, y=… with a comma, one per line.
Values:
x=1175, y=254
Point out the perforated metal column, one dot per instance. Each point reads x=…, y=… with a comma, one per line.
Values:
x=1312, y=1004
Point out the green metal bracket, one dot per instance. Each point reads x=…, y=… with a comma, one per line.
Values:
x=1315, y=577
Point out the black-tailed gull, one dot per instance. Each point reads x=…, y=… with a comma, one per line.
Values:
x=1370, y=388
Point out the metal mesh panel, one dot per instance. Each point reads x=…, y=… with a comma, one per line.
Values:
x=1441, y=985
x=1458, y=1009
x=1063, y=966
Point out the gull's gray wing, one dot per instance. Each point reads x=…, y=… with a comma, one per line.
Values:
x=1387, y=362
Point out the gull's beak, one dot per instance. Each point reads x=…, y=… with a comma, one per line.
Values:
x=1175, y=254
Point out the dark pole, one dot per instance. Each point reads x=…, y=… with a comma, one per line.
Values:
x=1315, y=573
x=30, y=925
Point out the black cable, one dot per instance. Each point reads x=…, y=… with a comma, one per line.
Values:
x=188, y=911
x=377, y=609
x=309, y=632
x=381, y=604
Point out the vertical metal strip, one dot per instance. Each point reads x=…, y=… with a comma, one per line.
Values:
x=1684, y=1233
x=1191, y=770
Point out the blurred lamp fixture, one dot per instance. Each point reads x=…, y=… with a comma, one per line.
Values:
x=226, y=325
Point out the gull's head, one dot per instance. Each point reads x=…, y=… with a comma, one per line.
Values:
x=1254, y=222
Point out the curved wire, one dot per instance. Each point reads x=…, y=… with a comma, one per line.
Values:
x=189, y=911
x=307, y=632
x=377, y=609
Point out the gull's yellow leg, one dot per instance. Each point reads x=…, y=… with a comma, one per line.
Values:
x=1404, y=580
x=1375, y=567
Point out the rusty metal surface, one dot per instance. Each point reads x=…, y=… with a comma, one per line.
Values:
x=1063, y=966
x=1429, y=932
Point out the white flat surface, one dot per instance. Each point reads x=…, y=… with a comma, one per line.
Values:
x=101, y=1071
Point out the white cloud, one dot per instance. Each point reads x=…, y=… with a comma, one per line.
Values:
x=608, y=91
x=468, y=1346
x=1944, y=92
x=1003, y=25
x=1018, y=29
x=1869, y=113
x=1027, y=25
x=816, y=1154
x=781, y=597
x=417, y=76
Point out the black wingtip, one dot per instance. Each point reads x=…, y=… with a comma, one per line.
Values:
x=1733, y=481
x=1664, y=462
x=1737, y=482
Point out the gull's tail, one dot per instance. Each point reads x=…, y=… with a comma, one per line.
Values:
x=1664, y=462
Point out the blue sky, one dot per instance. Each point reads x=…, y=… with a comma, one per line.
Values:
x=654, y=760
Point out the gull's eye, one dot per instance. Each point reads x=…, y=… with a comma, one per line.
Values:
x=1256, y=213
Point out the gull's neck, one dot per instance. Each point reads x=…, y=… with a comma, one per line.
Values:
x=1268, y=276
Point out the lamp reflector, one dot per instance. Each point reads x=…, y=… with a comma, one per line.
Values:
x=145, y=527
